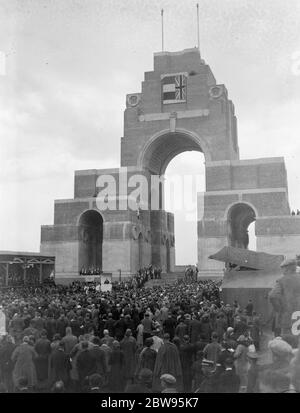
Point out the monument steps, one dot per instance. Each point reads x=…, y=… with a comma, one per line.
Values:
x=166, y=278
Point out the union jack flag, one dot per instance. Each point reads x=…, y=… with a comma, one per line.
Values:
x=174, y=88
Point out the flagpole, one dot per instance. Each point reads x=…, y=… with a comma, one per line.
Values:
x=198, y=30
x=162, y=30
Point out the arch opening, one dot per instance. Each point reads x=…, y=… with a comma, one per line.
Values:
x=155, y=157
x=241, y=226
x=184, y=180
x=163, y=147
x=91, y=240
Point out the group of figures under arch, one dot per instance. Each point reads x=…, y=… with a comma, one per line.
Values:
x=240, y=217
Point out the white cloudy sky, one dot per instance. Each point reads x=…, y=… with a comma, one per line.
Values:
x=70, y=63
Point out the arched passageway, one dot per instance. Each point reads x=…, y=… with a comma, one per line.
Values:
x=155, y=156
x=91, y=240
x=162, y=148
x=240, y=216
x=184, y=186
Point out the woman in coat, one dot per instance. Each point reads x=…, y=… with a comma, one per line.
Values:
x=43, y=350
x=23, y=357
x=139, y=335
x=129, y=347
x=7, y=348
x=60, y=366
x=241, y=361
x=116, y=364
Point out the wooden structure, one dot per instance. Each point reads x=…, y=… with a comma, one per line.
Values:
x=26, y=267
x=249, y=275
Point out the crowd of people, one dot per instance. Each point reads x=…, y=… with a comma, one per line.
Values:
x=90, y=271
x=295, y=213
x=17, y=279
x=191, y=273
x=170, y=338
x=149, y=273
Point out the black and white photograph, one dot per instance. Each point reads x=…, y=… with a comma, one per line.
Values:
x=149, y=200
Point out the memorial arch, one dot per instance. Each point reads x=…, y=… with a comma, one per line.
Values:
x=180, y=107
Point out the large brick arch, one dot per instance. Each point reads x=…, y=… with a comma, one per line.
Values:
x=162, y=147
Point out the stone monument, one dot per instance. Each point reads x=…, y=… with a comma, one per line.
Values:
x=180, y=108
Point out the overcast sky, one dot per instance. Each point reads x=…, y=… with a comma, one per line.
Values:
x=69, y=65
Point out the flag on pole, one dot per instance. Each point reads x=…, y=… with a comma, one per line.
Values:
x=162, y=30
x=174, y=88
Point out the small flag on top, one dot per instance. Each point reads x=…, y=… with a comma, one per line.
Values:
x=174, y=88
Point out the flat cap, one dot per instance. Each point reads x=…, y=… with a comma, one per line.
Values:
x=168, y=378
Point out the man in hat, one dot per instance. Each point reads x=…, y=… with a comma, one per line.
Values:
x=43, y=350
x=106, y=339
x=69, y=340
x=210, y=381
x=99, y=355
x=229, y=381
x=60, y=365
x=120, y=328
x=23, y=358
x=129, y=347
x=147, y=356
x=168, y=383
x=147, y=324
x=285, y=296
x=252, y=381
x=169, y=326
x=186, y=353
x=212, y=350
x=86, y=364
x=195, y=328
x=226, y=351
x=167, y=361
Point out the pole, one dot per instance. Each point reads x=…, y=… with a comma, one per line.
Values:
x=24, y=274
x=162, y=30
x=198, y=29
x=6, y=275
x=41, y=273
